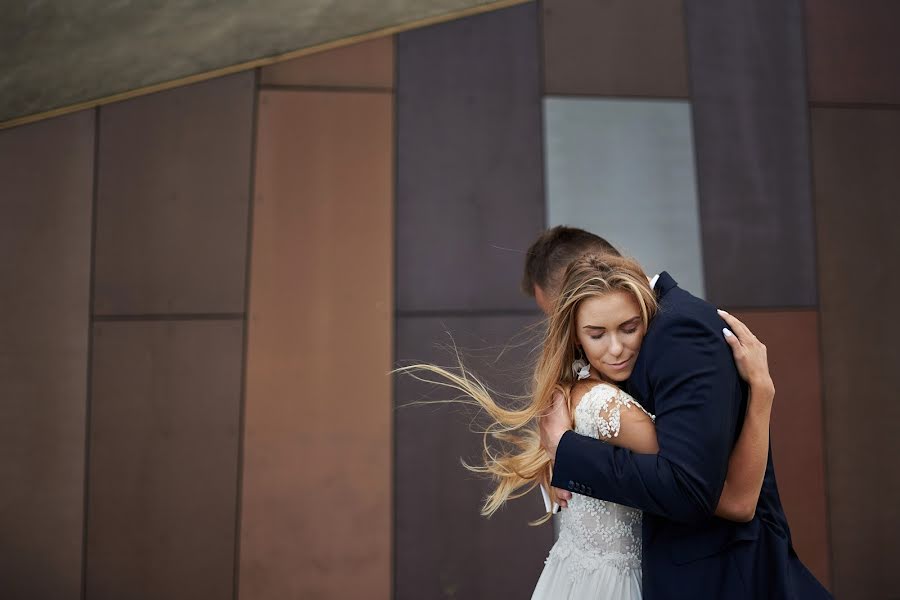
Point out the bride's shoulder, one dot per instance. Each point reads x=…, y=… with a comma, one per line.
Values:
x=594, y=390
x=603, y=408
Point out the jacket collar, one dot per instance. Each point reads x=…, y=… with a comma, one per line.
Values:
x=664, y=284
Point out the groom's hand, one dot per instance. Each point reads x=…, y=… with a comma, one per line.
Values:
x=554, y=424
x=561, y=497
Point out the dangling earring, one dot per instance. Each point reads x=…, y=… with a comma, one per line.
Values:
x=580, y=367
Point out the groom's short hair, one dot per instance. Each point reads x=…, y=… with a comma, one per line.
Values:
x=551, y=253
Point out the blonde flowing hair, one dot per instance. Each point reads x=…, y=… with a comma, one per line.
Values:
x=513, y=456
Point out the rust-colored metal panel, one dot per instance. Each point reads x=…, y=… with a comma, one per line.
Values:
x=792, y=340
x=615, y=48
x=45, y=245
x=316, y=512
x=367, y=64
x=165, y=399
x=173, y=196
x=445, y=548
x=852, y=50
x=857, y=183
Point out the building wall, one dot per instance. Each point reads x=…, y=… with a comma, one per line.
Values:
x=205, y=290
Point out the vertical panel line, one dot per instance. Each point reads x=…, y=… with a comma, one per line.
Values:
x=829, y=538
x=90, y=355
x=542, y=140
x=542, y=94
x=248, y=258
x=393, y=313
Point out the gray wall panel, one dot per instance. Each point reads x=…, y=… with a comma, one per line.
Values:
x=624, y=169
x=748, y=90
x=45, y=244
x=615, y=48
x=173, y=197
x=857, y=183
x=445, y=549
x=469, y=185
x=163, y=459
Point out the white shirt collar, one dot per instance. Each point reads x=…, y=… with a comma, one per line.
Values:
x=653, y=281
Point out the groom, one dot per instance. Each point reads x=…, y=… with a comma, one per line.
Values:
x=685, y=374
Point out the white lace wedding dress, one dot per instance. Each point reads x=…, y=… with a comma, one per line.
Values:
x=598, y=553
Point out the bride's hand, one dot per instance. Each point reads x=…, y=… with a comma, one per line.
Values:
x=749, y=354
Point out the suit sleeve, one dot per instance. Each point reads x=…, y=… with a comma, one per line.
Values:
x=697, y=396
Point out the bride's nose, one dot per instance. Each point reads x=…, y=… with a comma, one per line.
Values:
x=615, y=346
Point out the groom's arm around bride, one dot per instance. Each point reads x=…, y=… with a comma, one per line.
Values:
x=697, y=398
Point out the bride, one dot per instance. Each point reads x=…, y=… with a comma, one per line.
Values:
x=604, y=308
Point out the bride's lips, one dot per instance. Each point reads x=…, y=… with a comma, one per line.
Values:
x=619, y=366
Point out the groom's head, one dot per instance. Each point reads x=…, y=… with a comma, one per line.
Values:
x=550, y=254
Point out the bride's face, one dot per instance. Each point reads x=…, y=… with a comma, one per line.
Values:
x=610, y=331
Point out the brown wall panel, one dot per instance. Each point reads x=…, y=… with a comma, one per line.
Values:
x=445, y=548
x=857, y=183
x=852, y=50
x=173, y=196
x=163, y=459
x=316, y=518
x=45, y=244
x=615, y=48
x=367, y=64
x=792, y=339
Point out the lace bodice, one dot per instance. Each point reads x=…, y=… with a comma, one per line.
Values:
x=595, y=533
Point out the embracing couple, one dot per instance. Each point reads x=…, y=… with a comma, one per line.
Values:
x=648, y=416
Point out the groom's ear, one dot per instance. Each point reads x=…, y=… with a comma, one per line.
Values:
x=543, y=300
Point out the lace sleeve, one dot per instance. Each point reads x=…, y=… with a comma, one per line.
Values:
x=602, y=408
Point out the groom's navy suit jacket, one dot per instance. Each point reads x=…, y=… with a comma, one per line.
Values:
x=685, y=375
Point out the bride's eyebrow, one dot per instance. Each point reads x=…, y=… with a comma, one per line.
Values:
x=622, y=324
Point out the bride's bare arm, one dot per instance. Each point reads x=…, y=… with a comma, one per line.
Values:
x=747, y=464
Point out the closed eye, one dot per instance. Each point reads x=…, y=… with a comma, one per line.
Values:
x=631, y=325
